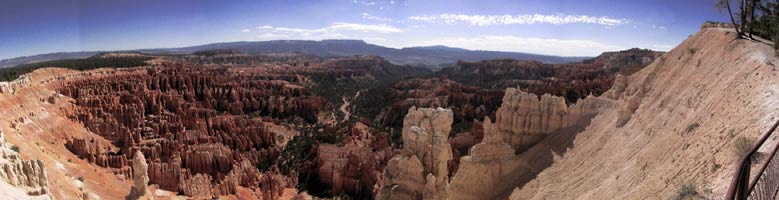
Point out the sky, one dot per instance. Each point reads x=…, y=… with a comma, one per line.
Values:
x=552, y=27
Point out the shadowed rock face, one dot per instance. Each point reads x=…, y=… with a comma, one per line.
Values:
x=356, y=166
x=466, y=102
x=573, y=81
x=474, y=90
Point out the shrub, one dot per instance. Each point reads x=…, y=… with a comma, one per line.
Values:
x=685, y=191
x=81, y=178
x=692, y=127
x=15, y=148
x=742, y=146
x=692, y=50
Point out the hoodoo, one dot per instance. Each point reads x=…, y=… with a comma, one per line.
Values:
x=140, y=179
x=421, y=169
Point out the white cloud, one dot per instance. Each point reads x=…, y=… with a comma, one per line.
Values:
x=487, y=20
x=374, y=17
x=363, y=2
x=272, y=36
x=245, y=30
x=333, y=31
x=524, y=44
x=381, y=28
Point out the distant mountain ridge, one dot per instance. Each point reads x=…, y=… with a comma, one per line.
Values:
x=431, y=56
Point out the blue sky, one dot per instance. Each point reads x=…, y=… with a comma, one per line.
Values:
x=555, y=27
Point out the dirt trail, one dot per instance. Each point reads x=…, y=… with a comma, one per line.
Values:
x=345, y=107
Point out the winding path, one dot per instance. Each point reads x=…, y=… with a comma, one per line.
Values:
x=345, y=107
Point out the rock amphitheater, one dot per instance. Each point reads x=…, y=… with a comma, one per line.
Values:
x=175, y=131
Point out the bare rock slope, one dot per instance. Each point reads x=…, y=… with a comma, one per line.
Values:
x=27, y=175
x=674, y=122
x=529, y=131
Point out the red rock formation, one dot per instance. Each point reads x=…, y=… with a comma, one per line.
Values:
x=191, y=124
x=355, y=167
x=467, y=102
x=421, y=170
x=525, y=118
x=573, y=81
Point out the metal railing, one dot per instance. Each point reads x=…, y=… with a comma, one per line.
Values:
x=766, y=184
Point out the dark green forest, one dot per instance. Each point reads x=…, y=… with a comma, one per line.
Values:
x=12, y=73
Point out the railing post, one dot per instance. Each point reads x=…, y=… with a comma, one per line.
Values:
x=743, y=191
x=741, y=187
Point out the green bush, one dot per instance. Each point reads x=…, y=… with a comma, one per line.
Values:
x=15, y=148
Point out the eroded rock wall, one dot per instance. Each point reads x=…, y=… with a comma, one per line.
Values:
x=421, y=170
x=521, y=143
x=29, y=175
x=356, y=166
x=489, y=170
x=525, y=119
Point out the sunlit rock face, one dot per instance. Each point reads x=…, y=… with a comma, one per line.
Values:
x=489, y=170
x=516, y=146
x=421, y=171
x=140, y=179
x=525, y=119
x=29, y=175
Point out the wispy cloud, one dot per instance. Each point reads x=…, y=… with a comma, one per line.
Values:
x=487, y=20
x=245, y=30
x=376, y=18
x=381, y=28
x=332, y=31
x=548, y=46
